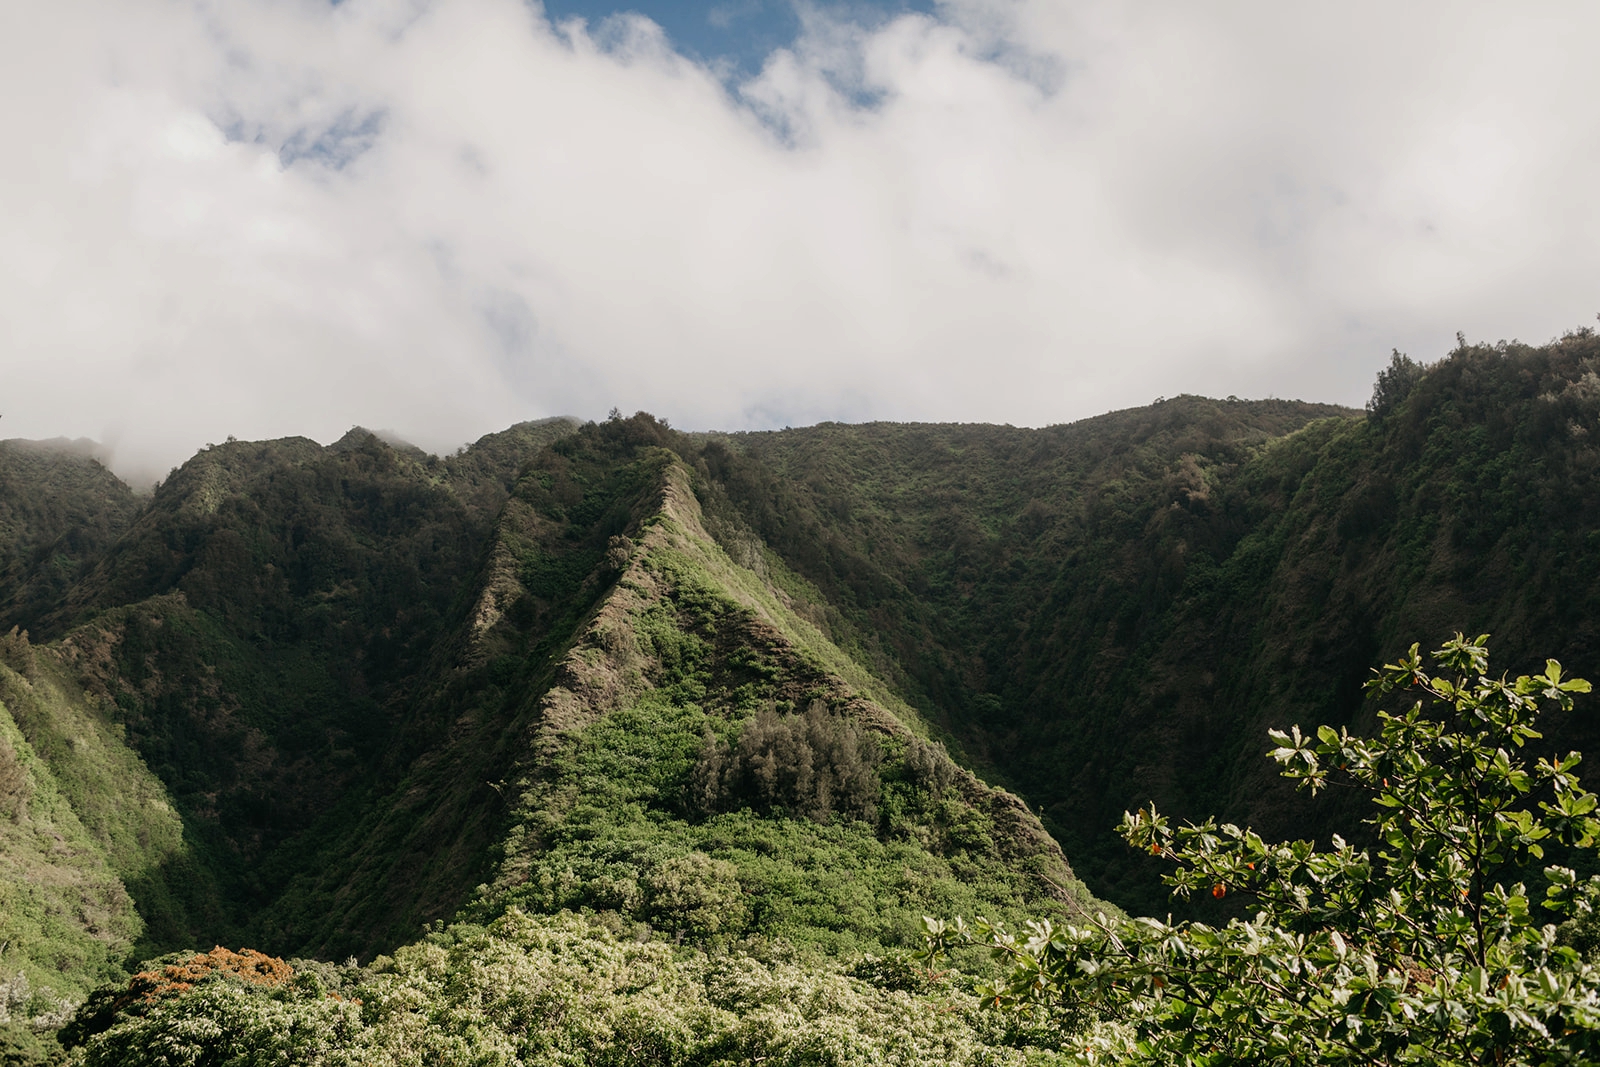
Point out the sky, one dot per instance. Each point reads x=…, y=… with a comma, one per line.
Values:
x=439, y=217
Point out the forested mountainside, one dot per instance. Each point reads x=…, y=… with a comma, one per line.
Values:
x=59, y=512
x=1115, y=611
x=313, y=700
x=697, y=689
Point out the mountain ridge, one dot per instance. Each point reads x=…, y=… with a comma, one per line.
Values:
x=738, y=689
x=328, y=787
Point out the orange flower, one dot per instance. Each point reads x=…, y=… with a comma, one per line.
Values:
x=1219, y=890
x=254, y=967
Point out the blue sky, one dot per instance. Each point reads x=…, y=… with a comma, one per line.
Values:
x=438, y=217
x=740, y=33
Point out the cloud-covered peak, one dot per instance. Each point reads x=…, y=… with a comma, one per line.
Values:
x=262, y=218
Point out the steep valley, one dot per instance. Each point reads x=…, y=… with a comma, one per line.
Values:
x=765, y=697
x=1115, y=611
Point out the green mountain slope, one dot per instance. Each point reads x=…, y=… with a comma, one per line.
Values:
x=610, y=638
x=636, y=804
x=211, y=693
x=937, y=545
x=59, y=512
x=698, y=688
x=1115, y=611
x=314, y=700
x=83, y=824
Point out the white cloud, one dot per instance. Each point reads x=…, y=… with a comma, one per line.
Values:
x=263, y=217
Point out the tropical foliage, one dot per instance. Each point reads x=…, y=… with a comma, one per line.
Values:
x=1111, y=612
x=558, y=991
x=1425, y=947
x=723, y=696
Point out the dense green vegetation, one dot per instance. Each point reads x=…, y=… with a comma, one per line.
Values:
x=641, y=814
x=1428, y=948
x=1113, y=612
x=59, y=512
x=562, y=991
x=368, y=701
x=50, y=873
x=694, y=699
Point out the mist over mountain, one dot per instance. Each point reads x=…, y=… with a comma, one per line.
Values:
x=765, y=697
x=267, y=219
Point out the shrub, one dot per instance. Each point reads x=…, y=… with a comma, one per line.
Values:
x=815, y=766
x=560, y=991
x=1427, y=948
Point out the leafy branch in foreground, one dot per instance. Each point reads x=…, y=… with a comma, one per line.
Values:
x=1426, y=948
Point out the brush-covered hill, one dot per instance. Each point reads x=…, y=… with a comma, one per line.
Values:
x=314, y=700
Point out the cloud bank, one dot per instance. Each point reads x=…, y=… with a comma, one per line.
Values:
x=265, y=217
